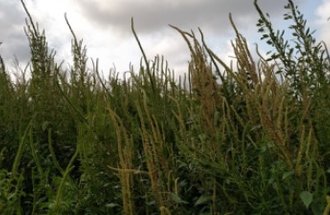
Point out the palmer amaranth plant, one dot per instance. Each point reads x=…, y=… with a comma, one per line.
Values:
x=246, y=139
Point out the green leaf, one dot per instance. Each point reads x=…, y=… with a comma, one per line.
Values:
x=177, y=199
x=287, y=174
x=202, y=200
x=111, y=205
x=306, y=197
x=45, y=125
x=269, y=42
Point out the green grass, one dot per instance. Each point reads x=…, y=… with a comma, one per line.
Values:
x=252, y=138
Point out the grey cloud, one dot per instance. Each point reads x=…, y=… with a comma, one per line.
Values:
x=12, y=36
x=150, y=17
x=17, y=45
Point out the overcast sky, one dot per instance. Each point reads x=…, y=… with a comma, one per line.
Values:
x=104, y=26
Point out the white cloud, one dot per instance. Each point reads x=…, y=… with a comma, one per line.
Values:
x=323, y=14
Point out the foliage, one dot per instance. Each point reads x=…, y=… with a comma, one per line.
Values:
x=246, y=139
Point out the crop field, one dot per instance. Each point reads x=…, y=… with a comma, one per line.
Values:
x=248, y=138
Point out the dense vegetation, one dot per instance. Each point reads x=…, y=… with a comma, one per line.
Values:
x=249, y=138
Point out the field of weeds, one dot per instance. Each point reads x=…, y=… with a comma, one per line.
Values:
x=249, y=138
